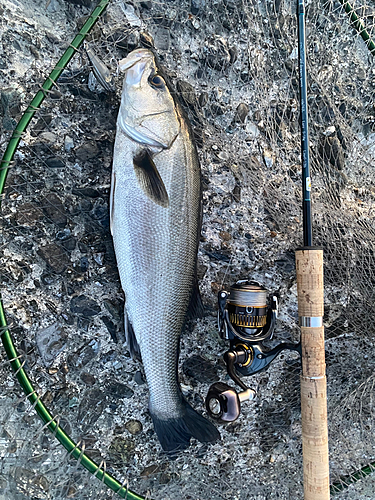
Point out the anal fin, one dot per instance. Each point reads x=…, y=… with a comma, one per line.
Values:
x=195, y=308
x=131, y=340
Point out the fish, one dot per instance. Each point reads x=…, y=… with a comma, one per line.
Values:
x=155, y=221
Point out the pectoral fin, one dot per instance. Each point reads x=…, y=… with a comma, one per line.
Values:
x=149, y=178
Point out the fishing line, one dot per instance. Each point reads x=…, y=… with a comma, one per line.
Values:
x=226, y=271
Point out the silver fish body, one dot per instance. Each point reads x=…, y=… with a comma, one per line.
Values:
x=155, y=223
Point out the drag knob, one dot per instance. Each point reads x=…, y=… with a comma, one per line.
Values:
x=223, y=403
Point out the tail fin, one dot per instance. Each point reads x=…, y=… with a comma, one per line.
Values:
x=174, y=433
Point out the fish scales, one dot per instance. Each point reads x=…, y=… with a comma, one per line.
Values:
x=155, y=223
x=156, y=255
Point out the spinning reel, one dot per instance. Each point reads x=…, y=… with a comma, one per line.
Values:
x=246, y=318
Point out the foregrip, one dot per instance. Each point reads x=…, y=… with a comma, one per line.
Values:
x=309, y=268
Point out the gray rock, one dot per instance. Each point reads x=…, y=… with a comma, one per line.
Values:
x=83, y=264
x=99, y=258
x=87, y=378
x=86, y=191
x=28, y=215
x=200, y=370
x=217, y=109
x=55, y=162
x=9, y=123
x=119, y=391
x=151, y=470
x=162, y=38
x=47, y=279
x=237, y=193
x=331, y=151
x=100, y=210
x=132, y=40
x=55, y=256
x=54, y=210
x=233, y=52
x=111, y=327
x=121, y=451
x=48, y=138
x=201, y=271
x=138, y=378
x=83, y=248
x=86, y=354
x=241, y=112
x=10, y=102
x=84, y=306
x=186, y=92
x=286, y=264
x=37, y=484
x=87, y=151
x=83, y=323
x=203, y=99
x=69, y=244
x=252, y=130
x=217, y=55
x=134, y=427
x=41, y=124
x=68, y=143
x=91, y=407
x=361, y=74
x=114, y=309
x=64, y=234
x=197, y=6
x=131, y=14
x=50, y=342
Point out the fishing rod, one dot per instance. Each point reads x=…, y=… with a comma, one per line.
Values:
x=246, y=318
x=310, y=292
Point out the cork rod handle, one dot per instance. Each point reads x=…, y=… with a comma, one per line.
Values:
x=309, y=267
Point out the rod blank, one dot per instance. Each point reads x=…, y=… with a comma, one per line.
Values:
x=306, y=181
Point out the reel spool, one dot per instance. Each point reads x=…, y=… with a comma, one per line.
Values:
x=246, y=317
x=245, y=313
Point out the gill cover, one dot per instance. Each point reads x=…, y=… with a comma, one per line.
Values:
x=147, y=113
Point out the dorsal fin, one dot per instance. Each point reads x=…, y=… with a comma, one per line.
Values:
x=149, y=178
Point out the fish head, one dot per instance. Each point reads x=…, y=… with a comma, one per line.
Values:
x=147, y=112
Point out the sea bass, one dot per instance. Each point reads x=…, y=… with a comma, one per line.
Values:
x=155, y=218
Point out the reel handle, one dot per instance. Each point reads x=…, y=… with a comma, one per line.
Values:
x=223, y=403
x=236, y=355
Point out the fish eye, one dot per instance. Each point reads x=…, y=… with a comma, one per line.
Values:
x=157, y=81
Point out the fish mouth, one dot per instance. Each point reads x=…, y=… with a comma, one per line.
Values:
x=134, y=64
